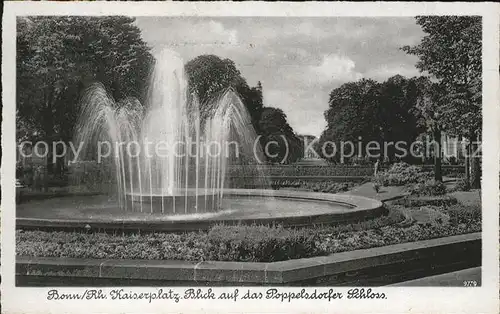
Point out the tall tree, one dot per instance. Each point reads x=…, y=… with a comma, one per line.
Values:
x=57, y=57
x=451, y=52
x=279, y=141
x=366, y=111
x=350, y=116
x=209, y=76
x=398, y=96
x=429, y=112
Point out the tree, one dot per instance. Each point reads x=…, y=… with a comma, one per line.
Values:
x=398, y=96
x=451, y=52
x=429, y=112
x=255, y=103
x=364, y=112
x=57, y=57
x=279, y=141
x=351, y=107
x=209, y=76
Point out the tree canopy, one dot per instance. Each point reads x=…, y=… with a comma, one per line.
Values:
x=451, y=52
x=366, y=111
x=279, y=141
x=209, y=76
x=57, y=57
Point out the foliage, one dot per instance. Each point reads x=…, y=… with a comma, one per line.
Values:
x=366, y=111
x=62, y=55
x=415, y=202
x=94, y=176
x=219, y=243
x=400, y=174
x=245, y=243
x=429, y=113
x=333, y=170
x=451, y=51
x=462, y=185
x=261, y=243
x=462, y=220
x=464, y=215
x=223, y=243
x=209, y=76
x=428, y=188
x=351, y=107
x=322, y=186
x=25, y=175
x=280, y=143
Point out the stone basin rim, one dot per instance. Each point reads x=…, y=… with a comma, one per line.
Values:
x=353, y=201
x=357, y=208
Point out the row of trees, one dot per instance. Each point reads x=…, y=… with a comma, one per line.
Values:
x=57, y=57
x=447, y=100
x=451, y=51
x=366, y=111
x=210, y=75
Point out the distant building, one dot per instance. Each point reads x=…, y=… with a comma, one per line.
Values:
x=453, y=148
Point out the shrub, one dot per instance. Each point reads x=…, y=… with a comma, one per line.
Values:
x=465, y=215
x=25, y=175
x=428, y=188
x=462, y=185
x=327, y=187
x=340, y=170
x=94, y=176
x=462, y=219
x=394, y=216
x=400, y=174
x=261, y=243
x=442, y=201
x=246, y=243
x=221, y=243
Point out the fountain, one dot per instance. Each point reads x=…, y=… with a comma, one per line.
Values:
x=180, y=165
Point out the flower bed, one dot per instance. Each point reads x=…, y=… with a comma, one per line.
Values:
x=428, y=188
x=245, y=243
x=443, y=200
x=322, y=186
x=401, y=174
x=300, y=170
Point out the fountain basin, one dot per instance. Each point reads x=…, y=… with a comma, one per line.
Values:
x=239, y=206
x=179, y=203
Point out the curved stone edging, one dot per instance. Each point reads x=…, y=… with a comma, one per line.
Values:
x=360, y=267
x=361, y=208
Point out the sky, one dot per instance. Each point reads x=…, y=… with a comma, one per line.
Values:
x=298, y=60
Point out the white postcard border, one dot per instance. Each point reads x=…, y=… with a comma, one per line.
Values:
x=416, y=300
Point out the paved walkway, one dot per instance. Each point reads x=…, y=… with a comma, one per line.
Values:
x=459, y=278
